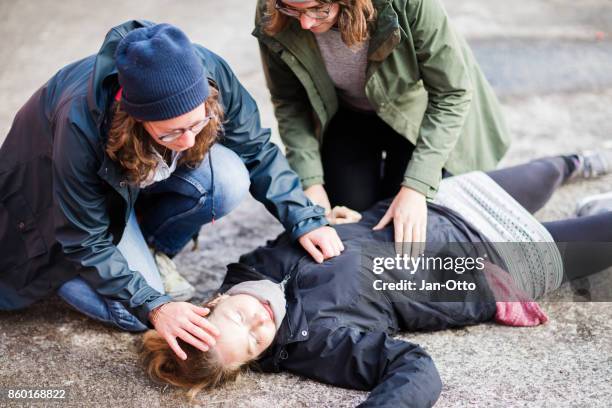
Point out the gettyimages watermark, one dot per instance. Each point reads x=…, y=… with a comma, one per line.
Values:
x=476, y=272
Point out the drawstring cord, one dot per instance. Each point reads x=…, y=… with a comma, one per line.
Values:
x=212, y=186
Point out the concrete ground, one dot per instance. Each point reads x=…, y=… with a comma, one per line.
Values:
x=551, y=63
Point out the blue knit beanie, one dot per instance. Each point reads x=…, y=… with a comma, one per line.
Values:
x=160, y=73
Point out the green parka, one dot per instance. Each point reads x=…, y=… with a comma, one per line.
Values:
x=421, y=78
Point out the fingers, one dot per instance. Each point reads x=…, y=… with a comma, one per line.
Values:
x=334, y=244
x=344, y=215
x=408, y=242
x=199, y=310
x=322, y=243
x=312, y=250
x=416, y=241
x=384, y=220
x=339, y=243
x=200, y=331
x=354, y=215
x=328, y=249
x=398, y=234
x=419, y=237
x=206, y=325
x=171, y=340
x=188, y=338
x=187, y=322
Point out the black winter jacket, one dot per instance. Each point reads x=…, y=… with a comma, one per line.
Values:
x=338, y=332
x=64, y=203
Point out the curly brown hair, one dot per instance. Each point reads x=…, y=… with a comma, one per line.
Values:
x=131, y=145
x=354, y=19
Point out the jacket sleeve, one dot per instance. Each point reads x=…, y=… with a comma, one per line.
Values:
x=295, y=118
x=81, y=225
x=398, y=373
x=273, y=183
x=448, y=85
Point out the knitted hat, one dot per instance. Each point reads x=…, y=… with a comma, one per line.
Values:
x=160, y=73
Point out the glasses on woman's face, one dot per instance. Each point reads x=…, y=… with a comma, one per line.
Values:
x=195, y=129
x=317, y=13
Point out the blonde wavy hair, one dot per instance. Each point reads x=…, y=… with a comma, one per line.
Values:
x=132, y=147
x=354, y=19
x=200, y=371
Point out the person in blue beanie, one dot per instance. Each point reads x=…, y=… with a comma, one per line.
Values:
x=112, y=167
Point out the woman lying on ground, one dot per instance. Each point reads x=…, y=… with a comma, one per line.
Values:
x=280, y=310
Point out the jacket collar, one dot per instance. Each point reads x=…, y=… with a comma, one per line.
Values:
x=240, y=272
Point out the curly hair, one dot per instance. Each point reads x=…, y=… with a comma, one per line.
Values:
x=354, y=19
x=131, y=145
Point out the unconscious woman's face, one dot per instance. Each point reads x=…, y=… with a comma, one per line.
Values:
x=315, y=25
x=178, y=133
x=247, y=328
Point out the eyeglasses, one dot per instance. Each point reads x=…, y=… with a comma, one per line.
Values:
x=317, y=13
x=195, y=129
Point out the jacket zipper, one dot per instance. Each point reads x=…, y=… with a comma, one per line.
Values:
x=284, y=283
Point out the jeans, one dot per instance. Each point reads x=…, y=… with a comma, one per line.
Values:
x=170, y=213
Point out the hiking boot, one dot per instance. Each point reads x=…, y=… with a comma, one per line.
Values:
x=595, y=204
x=175, y=285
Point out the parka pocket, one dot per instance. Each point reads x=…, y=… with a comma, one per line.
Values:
x=19, y=231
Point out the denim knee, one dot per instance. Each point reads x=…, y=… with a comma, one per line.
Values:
x=192, y=197
x=122, y=318
x=231, y=180
x=83, y=298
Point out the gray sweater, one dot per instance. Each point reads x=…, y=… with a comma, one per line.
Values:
x=346, y=67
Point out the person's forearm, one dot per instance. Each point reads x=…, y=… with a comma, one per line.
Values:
x=317, y=194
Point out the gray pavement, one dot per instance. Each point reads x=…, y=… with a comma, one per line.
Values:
x=551, y=63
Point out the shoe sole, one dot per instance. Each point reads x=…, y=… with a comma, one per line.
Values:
x=582, y=204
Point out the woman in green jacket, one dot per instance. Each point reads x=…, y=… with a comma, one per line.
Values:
x=377, y=98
